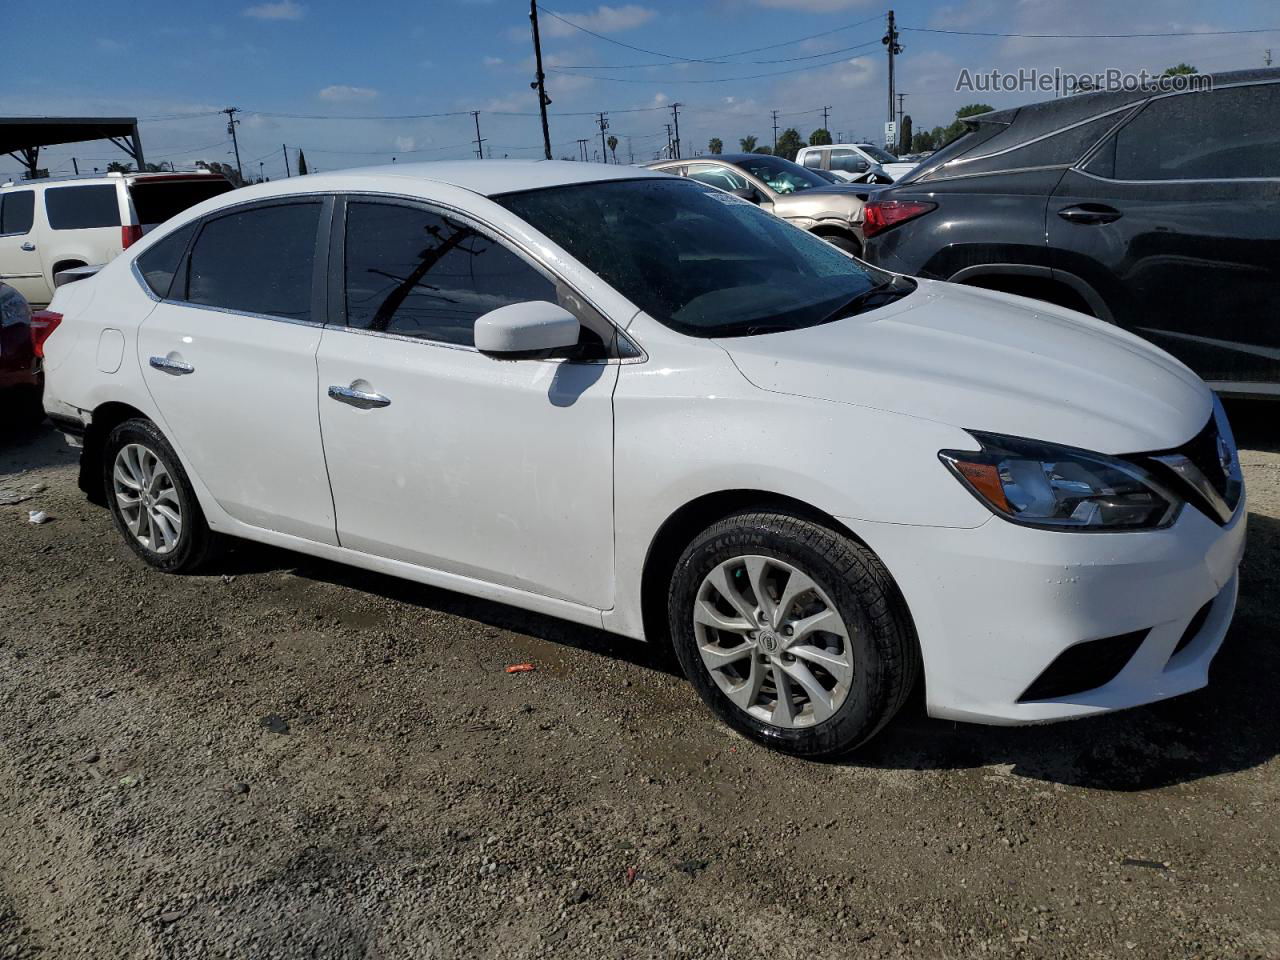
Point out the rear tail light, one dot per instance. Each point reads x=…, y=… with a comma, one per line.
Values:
x=880, y=215
x=43, y=323
x=130, y=235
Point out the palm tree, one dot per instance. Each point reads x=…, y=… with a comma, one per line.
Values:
x=748, y=144
x=613, y=147
x=716, y=145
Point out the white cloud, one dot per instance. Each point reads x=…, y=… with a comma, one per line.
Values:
x=108, y=45
x=493, y=61
x=603, y=19
x=960, y=16
x=405, y=144
x=815, y=6
x=281, y=10
x=341, y=93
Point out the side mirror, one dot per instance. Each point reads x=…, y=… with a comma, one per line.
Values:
x=858, y=165
x=528, y=328
x=746, y=193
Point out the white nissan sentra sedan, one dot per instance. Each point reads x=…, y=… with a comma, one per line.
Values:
x=640, y=403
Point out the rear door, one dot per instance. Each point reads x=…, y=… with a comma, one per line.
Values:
x=1175, y=221
x=83, y=225
x=229, y=356
x=19, y=251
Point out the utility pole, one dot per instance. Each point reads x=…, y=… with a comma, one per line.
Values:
x=671, y=150
x=775, y=131
x=582, y=148
x=604, y=125
x=675, y=116
x=540, y=79
x=232, y=122
x=1266, y=57
x=901, y=98
x=891, y=44
x=261, y=178
x=825, y=112
x=285, y=148
x=479, y=139
x=75, y=166
x=631, y=154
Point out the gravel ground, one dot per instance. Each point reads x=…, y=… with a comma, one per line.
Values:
x=288, y=758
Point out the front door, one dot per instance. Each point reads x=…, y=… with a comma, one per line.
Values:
x=496, y=470
x=19, y=256
x=1175, y=221
x=229, y=359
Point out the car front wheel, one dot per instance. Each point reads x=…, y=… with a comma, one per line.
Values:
x=793, y=633
x=151, y=499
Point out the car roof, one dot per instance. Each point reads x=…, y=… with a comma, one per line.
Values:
x=97, y=178
x=490, y=178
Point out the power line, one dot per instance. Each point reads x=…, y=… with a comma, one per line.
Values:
x=726, y=63
x=1094, y=36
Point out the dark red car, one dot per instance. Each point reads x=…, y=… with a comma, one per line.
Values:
x=22, y=336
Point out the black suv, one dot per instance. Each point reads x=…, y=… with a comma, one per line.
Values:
x=1155, y=210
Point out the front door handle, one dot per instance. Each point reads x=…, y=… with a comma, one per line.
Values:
x=176, y=367
x=1090, y=213
x=359, y=398
x=28, y=246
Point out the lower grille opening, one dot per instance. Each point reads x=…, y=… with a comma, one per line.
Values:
x=1193, y=629
x=1086, y=666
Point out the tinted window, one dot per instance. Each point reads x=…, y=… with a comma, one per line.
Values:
x=82, y=208
x=718, y=176
x=257, y=261
x=848, y=162
x=702, y=261
x=1223, y=134
x=1058, y=149
x=417, y=274
x=17, y=211
x=160, y=262
x=155, y=201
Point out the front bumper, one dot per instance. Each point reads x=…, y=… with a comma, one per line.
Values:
x=996, y=605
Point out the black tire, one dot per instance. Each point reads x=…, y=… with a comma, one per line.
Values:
x=847, y=244
x=885, y=654
x=196, y=543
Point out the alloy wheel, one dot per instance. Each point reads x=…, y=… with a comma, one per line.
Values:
x=773, y=641
x=147, y=497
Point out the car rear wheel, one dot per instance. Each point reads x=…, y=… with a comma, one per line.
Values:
x=151, y=499
x=794, y=634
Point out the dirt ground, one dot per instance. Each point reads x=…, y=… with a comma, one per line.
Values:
x=288, y=758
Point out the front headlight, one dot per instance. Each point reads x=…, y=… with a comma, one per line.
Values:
x=1061, y=488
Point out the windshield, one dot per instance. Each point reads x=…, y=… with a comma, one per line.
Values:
x=876, y=154
x=779, y=174
x=699, y=260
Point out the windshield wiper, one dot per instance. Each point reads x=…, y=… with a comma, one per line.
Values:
x=887, y=291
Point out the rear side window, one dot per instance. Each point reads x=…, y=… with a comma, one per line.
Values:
x=412, y=272
x=813, y=159
x=846, y=161
x=256, y=261
x=82, y=208
x=155, y=201
x=159, y=264
x=1058, y=149
x=17, y=211
x=1226, y=134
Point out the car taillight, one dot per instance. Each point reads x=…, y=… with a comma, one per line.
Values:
x=43, y=323
x=880, y=215
x=130, y=235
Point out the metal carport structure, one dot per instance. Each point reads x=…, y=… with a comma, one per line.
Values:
x=22, y=137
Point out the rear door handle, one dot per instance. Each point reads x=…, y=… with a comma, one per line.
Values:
x=1090, y=213
x=28, y=246
x=359, y=398
x=176, y=367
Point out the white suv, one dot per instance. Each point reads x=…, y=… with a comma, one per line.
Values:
x=862, y=162
x=47, y=226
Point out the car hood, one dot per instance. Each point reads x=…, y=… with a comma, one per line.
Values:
x=989, y=361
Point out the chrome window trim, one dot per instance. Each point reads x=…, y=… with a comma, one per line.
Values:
x=1094, y=176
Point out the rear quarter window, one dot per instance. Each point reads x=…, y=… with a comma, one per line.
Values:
x=82, y=208
x=160, y=263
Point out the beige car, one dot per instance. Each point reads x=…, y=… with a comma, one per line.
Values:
x=786, y=189
x=51, y=225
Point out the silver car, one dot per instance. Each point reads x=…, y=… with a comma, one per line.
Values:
x=786, y=189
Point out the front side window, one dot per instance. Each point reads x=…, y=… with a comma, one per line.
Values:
x=418, y=274
x=17, y=211
x=718, y=176
x=1226, y=134
x=258, y=260
x=701, y=261
x=781, y=175
x=159, y=264
x=82, y=208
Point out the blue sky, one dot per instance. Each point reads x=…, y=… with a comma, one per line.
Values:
x=285, y=60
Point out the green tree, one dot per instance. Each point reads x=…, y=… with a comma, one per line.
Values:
x=613, y=147
x=789, y=143
x=1181, y=70
x=716, y=145
x=820, y=137
x=923, y=142
x=748, y=144
x=115, y=166
x=765, y=150
x=904, y=135
x=957, y=126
